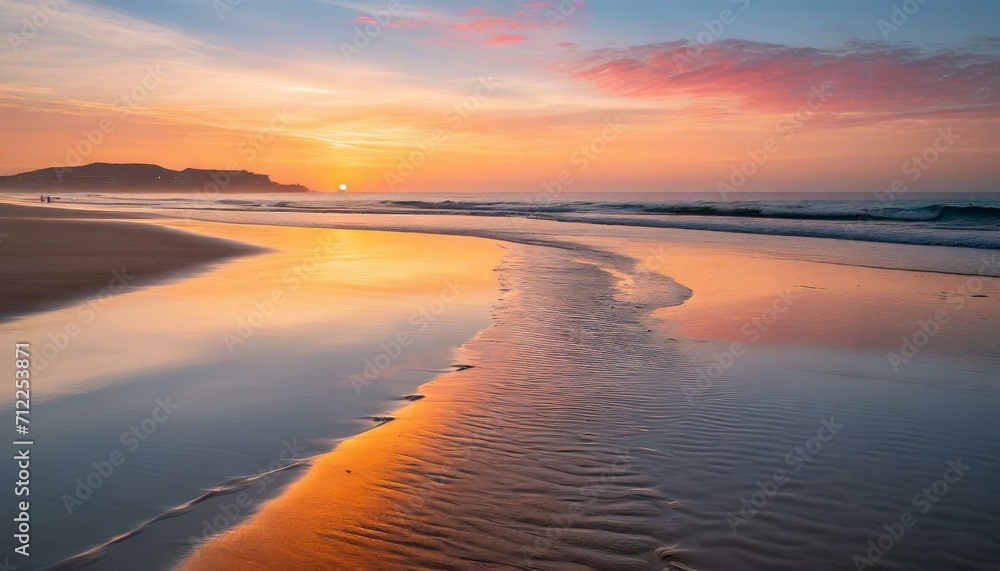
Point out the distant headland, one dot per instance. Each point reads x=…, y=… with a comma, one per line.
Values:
x=143, y=177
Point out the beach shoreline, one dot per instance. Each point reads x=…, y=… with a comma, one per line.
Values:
x=526, y=414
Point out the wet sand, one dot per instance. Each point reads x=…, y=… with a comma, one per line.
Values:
x=587, y=436
x=51, y=256
x=584, y=435
x=265, y=358
x=517, y=462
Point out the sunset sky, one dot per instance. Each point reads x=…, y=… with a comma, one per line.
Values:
x=663, y=95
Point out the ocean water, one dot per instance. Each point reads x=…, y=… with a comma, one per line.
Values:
x=968, y=220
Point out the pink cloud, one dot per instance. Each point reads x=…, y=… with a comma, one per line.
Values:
x=491, y=24
x=405, y=24
x=485, y=28
x=504, y=40
x=402, y=24
x=866, y=78
x=439, y=42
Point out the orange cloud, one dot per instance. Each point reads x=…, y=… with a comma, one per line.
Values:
x=685, y=126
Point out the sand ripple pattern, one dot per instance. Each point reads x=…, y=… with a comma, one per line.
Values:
x=571, y=444
x=526, y=461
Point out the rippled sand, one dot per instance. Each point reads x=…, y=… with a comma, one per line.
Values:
x=585, y=437
x=522, y=460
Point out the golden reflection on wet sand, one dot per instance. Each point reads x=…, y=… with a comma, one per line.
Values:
x=335, y=284
x=359, y=486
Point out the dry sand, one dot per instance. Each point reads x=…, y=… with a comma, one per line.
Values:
x=50, y=255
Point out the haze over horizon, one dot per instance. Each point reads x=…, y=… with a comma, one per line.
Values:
x=506, y=96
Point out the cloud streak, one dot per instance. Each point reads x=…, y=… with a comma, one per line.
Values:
x=869, y=82
x=476, y=25
x=505, y=40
